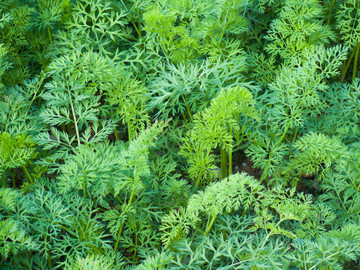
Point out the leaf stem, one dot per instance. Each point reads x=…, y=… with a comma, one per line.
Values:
x=75, y=120
x=4, y=180
x=197, y=182
x=208, y=228
x=356, y=60
x=136, y=28
x=116, y=134
x=230, y=162
x=230, y=157
x=346, y=66
x=325, y=259
x=330, y=10
x=189, y=112
x=223, y=154
x=49, y=32
x=28, y=174
x=227, y=23
x=118, y=238
x=40, y=5
x=84, y=189
x=130, y=133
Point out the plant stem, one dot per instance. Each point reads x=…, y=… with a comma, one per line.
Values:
x=244, y=212
x=118, y=237
x=28, y=174
x=189, y=112
x=223, y=172
x=230, y=162
x=296, y=131
x=346, y=66
x=116, y=134
x=84, y=189
x=40, y=5
x=131, y=196
x=47, y=252
x=208, y=228
x=227, y=23
x=184, y=117
x=49, y=32
x=4, y=180
x=266, y=239
x=115, y=129
x=330, y=10
x=230, y=157
x=356, y=61
x=136, y=29
x=130, y=133
x=75, y=120
x=325, y=259
x=197, y=182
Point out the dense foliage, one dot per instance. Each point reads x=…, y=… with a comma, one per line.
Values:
x=179, y=134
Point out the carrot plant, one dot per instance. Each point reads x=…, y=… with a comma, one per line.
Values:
x=191, y=134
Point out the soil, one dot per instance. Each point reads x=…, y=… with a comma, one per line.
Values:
x=242, y=163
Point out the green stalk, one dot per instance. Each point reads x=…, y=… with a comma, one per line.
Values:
x=40, y=5
x=131, y=196
x=189, y=112
x=184, y=117
x=266, y=239
x=270, y=234
x=130, y=134
x=197, y=182
x=136, y=29
x=227, y=23
x=4, y=180
x=49, y=260
x=208, y=228
x=230, y=162
x=28, y=174
x=187, y=107
x=75, y=120
x=325, y=259
x=296, y=131
x=330, y=10
x=115, y=129
x=346, y=66
x=244, y=212
x=48, y=253
x=49, y=32
x=84, y=189
x=116, y=134
x=118, y=238
x=223, y=154
x=356, y=61
x=230, y=157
